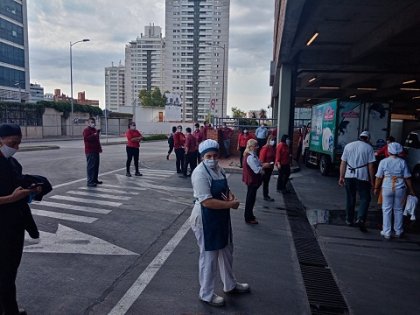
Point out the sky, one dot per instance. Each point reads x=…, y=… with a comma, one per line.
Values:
x=111, y=24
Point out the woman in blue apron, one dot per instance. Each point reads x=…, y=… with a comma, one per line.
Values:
x=210, y=222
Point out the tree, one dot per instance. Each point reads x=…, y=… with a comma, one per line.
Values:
x=152, y=98
x=237, y=113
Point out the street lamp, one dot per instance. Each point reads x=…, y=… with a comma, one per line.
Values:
x=71, y=78
x=223, y=72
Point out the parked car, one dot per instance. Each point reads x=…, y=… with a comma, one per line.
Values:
x=412, y=146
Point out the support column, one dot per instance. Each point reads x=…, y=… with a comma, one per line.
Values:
x=284, y=105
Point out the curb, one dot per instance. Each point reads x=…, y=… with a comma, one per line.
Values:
x=38, y=148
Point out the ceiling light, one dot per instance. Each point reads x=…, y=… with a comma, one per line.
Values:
x=308, y=100
x=353, y=96
x=409, y=89
x=367, y=89
x=310, y=41
x=409, y=82
x=312, y=79
x=415, y=97
x=329, y=87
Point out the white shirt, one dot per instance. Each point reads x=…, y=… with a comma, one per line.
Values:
x=358, y=154
x=201, y=182
x=254, y=163
x=393, y=167
x=261, y=132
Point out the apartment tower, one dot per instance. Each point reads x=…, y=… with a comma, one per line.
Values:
x=114, y=87
x=144, y=64
x=196, y=55
x=14, y=56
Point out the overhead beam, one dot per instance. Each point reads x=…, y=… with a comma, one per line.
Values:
x=400, y=22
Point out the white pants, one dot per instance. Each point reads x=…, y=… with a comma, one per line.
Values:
x=392, y=200
x=207, y=267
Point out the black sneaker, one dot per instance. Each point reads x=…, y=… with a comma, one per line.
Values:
x=99, y=182
x=138, y=174
x=128, y=174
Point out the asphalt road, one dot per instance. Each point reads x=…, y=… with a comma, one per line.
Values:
x=91, y=238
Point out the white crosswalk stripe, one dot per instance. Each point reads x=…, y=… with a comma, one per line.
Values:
x=71, y=207
x=63, y=216
x=112, y=191
x=92, y=197
x=89, y=201
x=96, y=195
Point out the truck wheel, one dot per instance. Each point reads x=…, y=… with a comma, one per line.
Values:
x=324, y=165
x=416, y=173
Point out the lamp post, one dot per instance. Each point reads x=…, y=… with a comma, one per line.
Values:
x=223, y=72
x=71, y=80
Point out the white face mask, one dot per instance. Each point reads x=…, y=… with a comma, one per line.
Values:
x=133, y=127
x=92, y=125
x=211, y=163
x=7, y=151
x=272, y=142
x=288, y=142
x=245, y=131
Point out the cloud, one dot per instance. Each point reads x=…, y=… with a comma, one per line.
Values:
x=112, y=24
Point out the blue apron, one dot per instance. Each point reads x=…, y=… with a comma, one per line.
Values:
x=216, y=222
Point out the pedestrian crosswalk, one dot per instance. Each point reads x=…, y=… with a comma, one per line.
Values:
x=86, y=204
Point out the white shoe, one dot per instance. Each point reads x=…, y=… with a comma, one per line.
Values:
x=216, y=301
x=387, y=237
x=240, y=288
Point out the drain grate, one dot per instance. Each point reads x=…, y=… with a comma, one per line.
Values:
x=324, y=296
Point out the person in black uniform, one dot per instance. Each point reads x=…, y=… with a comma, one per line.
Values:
x=15, y=217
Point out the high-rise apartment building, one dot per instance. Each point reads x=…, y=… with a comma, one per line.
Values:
x=114, y=87
x=143, y=64
x=196, y=62
x=14, y=56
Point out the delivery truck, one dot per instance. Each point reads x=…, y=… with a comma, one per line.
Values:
x=336, y=123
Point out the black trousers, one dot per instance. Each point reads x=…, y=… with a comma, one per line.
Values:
x=92, y=160
x=171, y=147
x=132, y=153
x=11, y=248
x=241, y=155
x=284, y=174
x=261, y=143
x=180, y=153
x=251, y=196
x=190, y=159
x=266, y=180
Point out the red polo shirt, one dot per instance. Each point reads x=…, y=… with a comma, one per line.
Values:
x=267, y=154
x=190, y=144
x=179, y=140
x=243, y=139
x=91, y=139
x=130, y=134
x=282, y=154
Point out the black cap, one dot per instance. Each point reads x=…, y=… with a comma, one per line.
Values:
x=10, y=130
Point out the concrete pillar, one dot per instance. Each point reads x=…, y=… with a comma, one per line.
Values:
x=284, y=100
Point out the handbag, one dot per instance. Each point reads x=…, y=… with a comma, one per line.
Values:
x=410, y=207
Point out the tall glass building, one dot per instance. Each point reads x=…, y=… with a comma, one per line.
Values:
x=14, y=56
x=196, y=62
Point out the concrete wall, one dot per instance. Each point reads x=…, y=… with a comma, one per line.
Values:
x=54, y=125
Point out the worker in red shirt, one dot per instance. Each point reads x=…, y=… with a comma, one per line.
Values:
x=226, y=135
x=283, y=163
x=179, y=144
x=205, y=129
x=268, y=155
x=191, y=149
x=92, y=150
x=243, y=138
x=133, y=148
x=198, y=135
